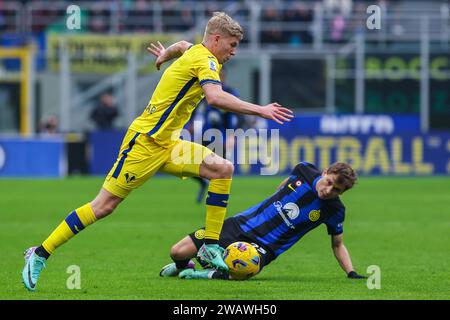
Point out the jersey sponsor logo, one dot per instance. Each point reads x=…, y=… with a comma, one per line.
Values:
x=199, y=234
x=289, y=210
x=292, y=210
x=314, y=215
x=212, y=66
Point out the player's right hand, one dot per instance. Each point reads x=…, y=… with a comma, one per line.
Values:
x=158, y=52
x=276, y=112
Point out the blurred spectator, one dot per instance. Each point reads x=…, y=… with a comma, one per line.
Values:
x=298, y=15
x=99, y=17
x=105, y=112
x=273, y=34
x=338, y=27
x=3, y=25
x=343, y=7
x=49, y=125
x=138, y=16
x=97, y=24
x=186, y=20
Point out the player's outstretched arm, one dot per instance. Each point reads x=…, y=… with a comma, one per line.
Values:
x=163, y=54
x=343, y=257
x=223, y=100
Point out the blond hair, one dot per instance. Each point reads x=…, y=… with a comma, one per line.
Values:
x=223, y=24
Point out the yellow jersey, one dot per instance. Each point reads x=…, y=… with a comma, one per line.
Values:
x=177, y=94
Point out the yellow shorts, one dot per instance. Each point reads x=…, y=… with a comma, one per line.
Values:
x=140, y=158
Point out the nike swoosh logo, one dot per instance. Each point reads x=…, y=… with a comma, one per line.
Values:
x=32, y=285
x=290, y=187
x=225, y=201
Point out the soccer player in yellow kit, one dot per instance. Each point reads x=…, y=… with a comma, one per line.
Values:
x=152, y=143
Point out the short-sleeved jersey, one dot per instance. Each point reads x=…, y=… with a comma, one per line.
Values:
x=280, y=221
x=177, y=94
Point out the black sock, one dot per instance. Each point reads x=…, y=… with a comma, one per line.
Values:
x=220, y=275
x=41, y=252
x=211, y=241
x=181, y=264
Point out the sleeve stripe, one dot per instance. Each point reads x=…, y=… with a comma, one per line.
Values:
x=205, y=81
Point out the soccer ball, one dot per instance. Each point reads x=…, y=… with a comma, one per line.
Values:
x=242, y=259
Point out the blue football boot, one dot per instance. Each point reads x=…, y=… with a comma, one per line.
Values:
x=211, y=254
x=32, y=269
x=197, y=274
x=171, y=269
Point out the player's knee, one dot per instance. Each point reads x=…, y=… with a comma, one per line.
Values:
x=226, y=170
x=176, y=252
x=104, y=204
x=103, y=209
x=109, y=208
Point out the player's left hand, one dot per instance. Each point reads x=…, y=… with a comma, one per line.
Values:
x=354, y=275
x=276, y=112
x=158, y=52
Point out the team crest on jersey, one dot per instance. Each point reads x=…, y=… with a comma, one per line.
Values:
x=212, y=66
x=199, y=234
x=130, y=177
x=314, y=215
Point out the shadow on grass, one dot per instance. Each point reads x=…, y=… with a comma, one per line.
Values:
x=291, y=278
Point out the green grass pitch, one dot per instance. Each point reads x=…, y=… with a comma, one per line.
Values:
x=399, y=224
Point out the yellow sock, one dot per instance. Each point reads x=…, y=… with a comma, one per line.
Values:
x=216, y=207
x=74, y=223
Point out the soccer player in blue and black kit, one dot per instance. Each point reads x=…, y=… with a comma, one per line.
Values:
x=303, y=201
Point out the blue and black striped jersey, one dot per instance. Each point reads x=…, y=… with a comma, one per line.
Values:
x=278, y=222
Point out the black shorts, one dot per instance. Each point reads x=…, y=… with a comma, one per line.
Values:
x=231, y=232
